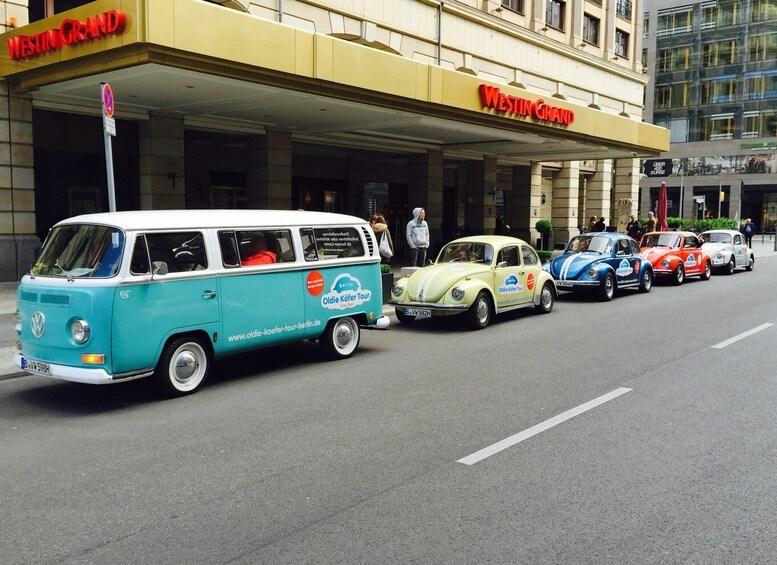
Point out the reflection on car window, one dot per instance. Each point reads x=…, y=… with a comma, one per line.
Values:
x=75, y=251
x=529, y=256
x=717, y=237
x=468, y=252
x=582, y=243
x=169, y=253
x=661, y=240
x=509, y=256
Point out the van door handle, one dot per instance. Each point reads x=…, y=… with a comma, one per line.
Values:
x=209, y=293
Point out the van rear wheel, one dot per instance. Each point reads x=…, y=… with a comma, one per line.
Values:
x=340, y=338
x=183, y=367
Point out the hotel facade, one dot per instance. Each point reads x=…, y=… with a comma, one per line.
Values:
x=470, y=109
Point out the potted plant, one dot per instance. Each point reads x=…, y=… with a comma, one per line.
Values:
x=546, y=231
x=387, y=280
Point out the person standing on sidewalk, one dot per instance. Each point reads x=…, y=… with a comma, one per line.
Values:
x=749, y=230
x=417, y=233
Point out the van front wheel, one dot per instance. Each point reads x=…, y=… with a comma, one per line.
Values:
x=183, y=366
x=340, y=338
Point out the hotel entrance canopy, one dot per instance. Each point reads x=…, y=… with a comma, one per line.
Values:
x=226, y=70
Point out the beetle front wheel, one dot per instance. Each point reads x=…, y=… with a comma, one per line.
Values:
x=607, y=288
x=479, y=314
x=340, y=338
x=546, y=299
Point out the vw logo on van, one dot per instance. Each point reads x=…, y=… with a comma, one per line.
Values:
x=38, y=324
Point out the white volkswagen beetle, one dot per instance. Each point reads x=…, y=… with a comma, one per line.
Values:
x=728, y=250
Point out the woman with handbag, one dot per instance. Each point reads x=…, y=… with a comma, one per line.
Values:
x=383, y=235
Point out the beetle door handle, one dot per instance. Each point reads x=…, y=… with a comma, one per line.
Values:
x=209, y=293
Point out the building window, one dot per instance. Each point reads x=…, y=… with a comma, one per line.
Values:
x=761, y=85
x=621, y=43
x=677, y=20
x=623, y=8
x=514, y=5
x=762, y=47
x=715, y=127
x=728, y=14
x=673, y=96
x=763, y=10
x=719, y=53
x=759, y=124
x=646, y=25
x=718, y=90
x=591, y=29
x=554, y=14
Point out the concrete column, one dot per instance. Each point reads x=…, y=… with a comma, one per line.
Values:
x=424, y=189
x=162, y=166
x=564, y=208
x=598, y=190
x=519, y=211
x=268, y=171
x=17, y=186
x=479, y=205
x=626, y=192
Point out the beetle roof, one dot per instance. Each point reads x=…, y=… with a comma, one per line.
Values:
x=187, y=219
x=495, y=240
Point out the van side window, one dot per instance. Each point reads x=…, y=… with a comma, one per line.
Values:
x=264, y=247
x=309, y=244
x=139, y=262
x=180, y=252
x=228, y=246
x=338, y=242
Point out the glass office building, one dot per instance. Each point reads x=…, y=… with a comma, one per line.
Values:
x=714, y=85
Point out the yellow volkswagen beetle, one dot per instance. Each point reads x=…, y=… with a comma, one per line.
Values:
x=478, y=277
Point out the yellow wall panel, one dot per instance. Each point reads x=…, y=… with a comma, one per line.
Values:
x=368, y=68
x=323, y=50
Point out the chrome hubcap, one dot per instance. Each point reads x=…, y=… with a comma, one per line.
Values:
x=482, y=311
x=343, y=335
x=547, y=297
x=185, y=366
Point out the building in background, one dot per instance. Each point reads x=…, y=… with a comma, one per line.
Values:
x=474, y=108
x=714, y=85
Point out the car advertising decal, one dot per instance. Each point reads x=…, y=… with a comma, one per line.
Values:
x=691, y=261
x=530, y=281
x=636, y=267
x=315, y=283
x=346, y=292
x=510, y=286
x=739, y=251
x=624, y=269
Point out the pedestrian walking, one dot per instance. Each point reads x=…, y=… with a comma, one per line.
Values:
x=650, y=223
x=749, y=231
x=417, y=234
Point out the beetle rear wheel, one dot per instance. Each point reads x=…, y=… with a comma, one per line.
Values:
x=183, y=367
x=340, y=338
x=647, y=281
x=750, y=263
x=707, y=271
x=479, y=314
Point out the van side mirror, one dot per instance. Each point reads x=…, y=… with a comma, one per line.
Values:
x=158, y=268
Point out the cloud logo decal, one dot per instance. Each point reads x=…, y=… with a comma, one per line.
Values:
x=624, y=269
x=511, y=285
x=691, y=261
x=346, y=292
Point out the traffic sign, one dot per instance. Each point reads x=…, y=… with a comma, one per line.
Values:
x=108, y=105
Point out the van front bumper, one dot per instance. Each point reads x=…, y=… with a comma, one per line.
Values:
x=72, y=374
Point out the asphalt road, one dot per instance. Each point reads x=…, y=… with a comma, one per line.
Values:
x=283, y=458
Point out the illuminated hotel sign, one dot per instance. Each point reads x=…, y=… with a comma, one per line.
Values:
x=70, y=32
x=492, y=97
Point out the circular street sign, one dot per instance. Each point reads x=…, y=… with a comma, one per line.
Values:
x=108, y=99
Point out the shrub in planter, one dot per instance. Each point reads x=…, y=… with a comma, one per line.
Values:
x=545, y=256
x=385, y=268
x=546, y=231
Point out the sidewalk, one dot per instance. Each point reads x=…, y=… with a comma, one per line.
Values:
x=762, y=249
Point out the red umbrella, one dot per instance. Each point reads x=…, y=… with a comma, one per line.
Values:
x=662, y=208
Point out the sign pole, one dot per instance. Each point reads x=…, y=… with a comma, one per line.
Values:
x=109, y=130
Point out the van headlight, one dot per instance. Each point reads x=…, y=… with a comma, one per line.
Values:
x=396, y=290
x=80, y=331
x=457, y=293
x=16, y=322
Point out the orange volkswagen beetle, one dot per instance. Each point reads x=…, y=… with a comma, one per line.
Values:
x=676, y=254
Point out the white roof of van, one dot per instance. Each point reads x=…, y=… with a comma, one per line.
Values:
x=188, y=219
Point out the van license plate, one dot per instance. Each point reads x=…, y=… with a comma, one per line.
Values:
x=418, y=312
x=36, y=366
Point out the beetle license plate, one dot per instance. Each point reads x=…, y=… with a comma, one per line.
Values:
x=36, y=366
x=418, y=312
x=563, y=283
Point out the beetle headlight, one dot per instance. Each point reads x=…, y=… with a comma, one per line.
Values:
x=665, y=264
x=457, y=293
x=591, y=273
x=396, y=290
x=720, y=255
x=80, y=331
x=16, y=322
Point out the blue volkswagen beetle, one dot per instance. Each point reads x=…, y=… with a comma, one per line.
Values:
x=602, y=262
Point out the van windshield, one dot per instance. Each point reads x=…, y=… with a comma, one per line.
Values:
x=75, y=251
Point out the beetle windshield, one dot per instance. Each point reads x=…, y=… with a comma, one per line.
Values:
x=660, y=240
x=596, y=243
x=466, y=251
x=80, y=251
x=717, y=237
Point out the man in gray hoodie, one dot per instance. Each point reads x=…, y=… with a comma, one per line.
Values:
x=418, y=238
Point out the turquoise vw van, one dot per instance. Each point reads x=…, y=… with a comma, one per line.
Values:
x=120, y=296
